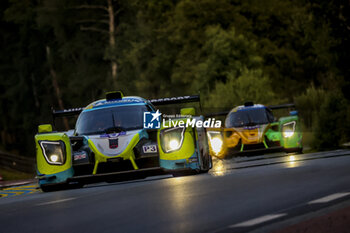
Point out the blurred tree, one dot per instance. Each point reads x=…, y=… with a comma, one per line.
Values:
x=335, y=14
x=228, y=50
x=78, y=54
x=99, y=24
x=21, y=74
x=251, y=85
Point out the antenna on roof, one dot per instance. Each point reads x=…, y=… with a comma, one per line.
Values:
x=248, y=104
x=114, y=95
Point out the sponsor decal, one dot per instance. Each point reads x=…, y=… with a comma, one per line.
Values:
x=170, y=99
x=73, y=109
x=193, y=160
x=112, y=135
x=118, y=101
x=113, y=143
x=252, y=127
x=80, y=155
x=149, y=149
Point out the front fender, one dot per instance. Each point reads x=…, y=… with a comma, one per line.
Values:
x=49, y=172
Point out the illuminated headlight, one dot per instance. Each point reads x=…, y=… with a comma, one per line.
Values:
x=54, y=158
x=215, y=141
x=54, y=151
x=172, y=139
x=288, y=129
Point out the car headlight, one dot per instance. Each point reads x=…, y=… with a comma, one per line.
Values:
x=54, y=151
x=172, y=139
x=215, y=140
x=288, y=129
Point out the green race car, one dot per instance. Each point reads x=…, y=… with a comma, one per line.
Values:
x=252, y=128
x=120, y=138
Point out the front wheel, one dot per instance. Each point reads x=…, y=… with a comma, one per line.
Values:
x=60, y=186
x=298, y=150
x=207, y=166
x=184, y=173
x=53, y=187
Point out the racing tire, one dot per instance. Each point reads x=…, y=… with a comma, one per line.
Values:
x=208, y=166
x=298, y=150
x=53, y=187
x=75, y=186
x=125, y=179
x=185, y=173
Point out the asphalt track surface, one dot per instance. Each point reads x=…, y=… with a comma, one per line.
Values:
x=238, y=195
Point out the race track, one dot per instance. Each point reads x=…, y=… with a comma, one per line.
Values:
x=238, y=195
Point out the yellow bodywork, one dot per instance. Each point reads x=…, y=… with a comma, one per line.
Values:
x=186, y=151
x=42, y=166
x=128, y=153
x=231, y=137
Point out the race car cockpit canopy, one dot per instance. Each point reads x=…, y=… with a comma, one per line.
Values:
x=117, y=118
x=248, y=115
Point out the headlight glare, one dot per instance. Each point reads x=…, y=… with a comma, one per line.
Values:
x=54, y=158
x=54, y=151
x=215, y=141
x=172, y=139
x=174, y=144
x=288, y=129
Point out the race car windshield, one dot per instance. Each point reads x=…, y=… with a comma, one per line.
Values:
x=111, y=120
x=249, y=117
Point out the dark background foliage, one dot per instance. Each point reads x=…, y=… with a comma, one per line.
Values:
x=231, y=51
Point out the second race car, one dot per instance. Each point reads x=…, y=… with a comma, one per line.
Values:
x=251, y=128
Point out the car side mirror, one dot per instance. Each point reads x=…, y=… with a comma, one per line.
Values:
x=47, y=128
x=188, y=111
x=293, y=113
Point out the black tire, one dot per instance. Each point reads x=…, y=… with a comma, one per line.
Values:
x=53, y=187
x=75, y=186
x=298, y=150
x=184, y=173
x=60, y=186
x=208, y=166
x=205, y=163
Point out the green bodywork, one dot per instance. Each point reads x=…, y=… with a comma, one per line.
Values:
x=277, y=135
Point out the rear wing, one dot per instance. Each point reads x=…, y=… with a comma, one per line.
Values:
x=272, y=107
x=156, y=102
x=216, y=114
x=66, y=112
x=175, y=100
x=281, y=106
